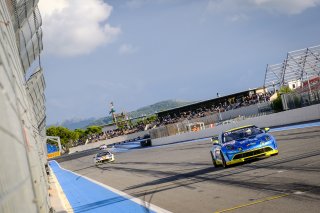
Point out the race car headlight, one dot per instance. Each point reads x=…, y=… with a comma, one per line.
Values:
x=267, y=138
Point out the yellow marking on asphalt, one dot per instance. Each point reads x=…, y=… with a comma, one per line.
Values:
x=253, y=203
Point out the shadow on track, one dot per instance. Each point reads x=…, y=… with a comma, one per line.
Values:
x=223, y=176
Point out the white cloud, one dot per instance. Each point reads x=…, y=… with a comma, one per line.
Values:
x=75, y=27
x=125, y=49
x=288, y=7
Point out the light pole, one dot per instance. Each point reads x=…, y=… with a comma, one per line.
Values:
x=112, y=111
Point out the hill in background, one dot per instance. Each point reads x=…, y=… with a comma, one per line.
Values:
x=75, y=123
x=147, y=110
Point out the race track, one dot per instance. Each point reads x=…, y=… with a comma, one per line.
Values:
x=181, y=178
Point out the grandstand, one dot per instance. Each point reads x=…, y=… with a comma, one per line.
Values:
x=300, y=71
x=299, y=66
x=219, y=104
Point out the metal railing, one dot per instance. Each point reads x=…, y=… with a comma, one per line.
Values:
x=297, y=100
x=232, y=116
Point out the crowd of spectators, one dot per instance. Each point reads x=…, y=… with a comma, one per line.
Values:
x=111, y=134
x=214, y=108
x=90, y=139
x=125, y=131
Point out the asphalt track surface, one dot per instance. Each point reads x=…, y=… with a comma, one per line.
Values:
x=181, y=178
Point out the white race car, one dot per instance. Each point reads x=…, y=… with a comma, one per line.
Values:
x=103, y=147
x=103, y=157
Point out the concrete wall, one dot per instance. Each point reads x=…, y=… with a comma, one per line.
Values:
x=277, y=119
x=23, y=180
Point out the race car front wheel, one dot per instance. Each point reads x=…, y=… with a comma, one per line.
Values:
x=213, y=160
x=224, y=164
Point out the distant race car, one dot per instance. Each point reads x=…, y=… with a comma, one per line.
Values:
x=146, y=141
x=103, y=157
x=103, y=147
x=241, y=144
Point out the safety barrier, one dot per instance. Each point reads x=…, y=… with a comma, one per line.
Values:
x=217, y=118
x=24, y=183
x=107, y=142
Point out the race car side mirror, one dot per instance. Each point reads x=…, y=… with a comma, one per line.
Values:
x=266, y=129
x=215, y=142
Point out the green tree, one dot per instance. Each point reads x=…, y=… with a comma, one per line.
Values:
x=277, y=103
x=81, y=133
x=93, y=130
x=152, y=118
x=66, y=136
x=284, y=90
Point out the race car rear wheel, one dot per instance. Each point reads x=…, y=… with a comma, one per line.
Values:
x=224, y=164
x=213, y=160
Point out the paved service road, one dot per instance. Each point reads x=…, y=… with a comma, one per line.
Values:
x=181, y=178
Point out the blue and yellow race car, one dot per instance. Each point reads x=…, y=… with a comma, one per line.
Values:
x=241, y=144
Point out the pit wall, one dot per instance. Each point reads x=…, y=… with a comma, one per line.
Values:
x=304, y=114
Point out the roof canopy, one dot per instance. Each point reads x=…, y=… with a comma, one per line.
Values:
x=299, y=65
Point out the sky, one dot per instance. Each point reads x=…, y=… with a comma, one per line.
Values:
x=138, y=52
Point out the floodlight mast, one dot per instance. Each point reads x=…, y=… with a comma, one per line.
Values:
x=112, y=111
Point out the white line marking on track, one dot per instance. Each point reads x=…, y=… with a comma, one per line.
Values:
x=129, y=197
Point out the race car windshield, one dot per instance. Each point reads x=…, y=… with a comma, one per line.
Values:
x=240, y=134
x=102, y=154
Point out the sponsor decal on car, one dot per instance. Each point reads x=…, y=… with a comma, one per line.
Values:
x=229, y=143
